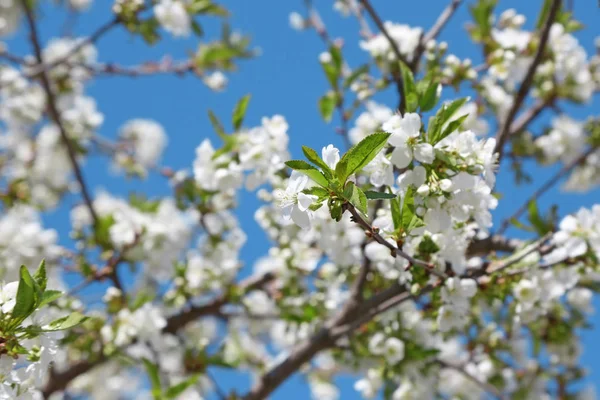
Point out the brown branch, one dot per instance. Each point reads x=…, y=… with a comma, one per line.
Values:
x=93, y=38
x=398, y=75
x=60, y=380
x=546, y=186
x=515, y=258
x=393, y=249
x=528, y=116
x=503, y=131
x=433, y=33
x=483, y=385
x=54, y=113
x=493, y=243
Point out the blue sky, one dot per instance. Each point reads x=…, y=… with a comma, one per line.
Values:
x=285, y=79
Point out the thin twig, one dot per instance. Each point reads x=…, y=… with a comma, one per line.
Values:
x=528, y=116
x=435, y=30
x=515, y=258
x=393, y=249
x=59, y=381
x=483, y=385
x=364, y=26
x=93, y=38
x=55, y=114
x=397, y=76
x=503, y=131
x=545, y=187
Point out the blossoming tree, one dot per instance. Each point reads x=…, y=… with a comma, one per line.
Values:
x=384, y=262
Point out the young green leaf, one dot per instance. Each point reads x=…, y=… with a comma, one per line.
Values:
x=443, y=115
x=308, y=170
x=49, y=296
x=356, y=197
x=67, y=322
x=360, y=155
x=396, y=213
x=26, y=295
x=174, y=391
x=154, y=376
x=430, y=97
x=40, y=276
x=327, y=105
x=372, y=195
x=217, y=125
x=541, y=225
x=410, y=90
x=314, y=158
x=336, y=57
x=355, y=75
x=408, y=208
x=240, y=111
x=452, y=126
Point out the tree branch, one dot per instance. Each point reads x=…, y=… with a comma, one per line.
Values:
x=393, y=249
x=503, y=131
x=493, y=243
x=483, y=385
x=54, y=113
x=60, y=380
x=435, y=30
x=397, y=76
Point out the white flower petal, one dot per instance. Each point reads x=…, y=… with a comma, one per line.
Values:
x=424, y=153
x=401, y=157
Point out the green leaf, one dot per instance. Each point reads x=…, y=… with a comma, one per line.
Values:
x=443, y=115
x=217, y=125
x=26, y=295
x=308, y=170
x=356, y=197
x=360, y=155
x=541, y=225
x=430, y=97
x=102, y=230
x=206, y=7
x=240, y=111
x=197, y=28
x=372, y=195
x=520, y=225
x=154, y=376
x=333, y=69
x=314, y=158
x=149, y=30
x=452, y=126
x=543, y=15
x=336, y=56
x=67, y=322
x=408, y=209
x=317, y=191
x=327, y=105
x=40, y=276
x=175, y=390
x=49, y=296
x=355, y=75
x=396, y=213
x=410, y=90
